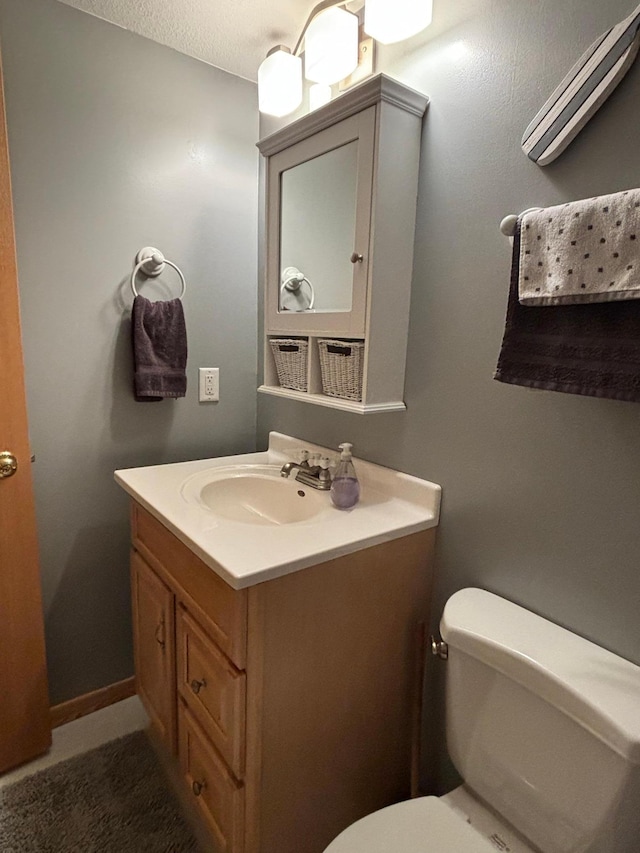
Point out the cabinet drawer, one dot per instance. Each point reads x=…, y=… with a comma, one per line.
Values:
x=217, y=795
x=213, y=689
x=220, y=608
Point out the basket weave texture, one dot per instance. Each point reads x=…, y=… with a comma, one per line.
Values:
x=290, y=355
x=341, y=368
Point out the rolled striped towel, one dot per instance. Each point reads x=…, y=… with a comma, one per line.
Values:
x=583, y=91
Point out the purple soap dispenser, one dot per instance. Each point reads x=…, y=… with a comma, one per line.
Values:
x=345, y=488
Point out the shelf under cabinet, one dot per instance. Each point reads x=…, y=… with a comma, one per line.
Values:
x=333, y=402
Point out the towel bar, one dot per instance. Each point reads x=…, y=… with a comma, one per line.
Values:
x=150, y=262
x=508, y=224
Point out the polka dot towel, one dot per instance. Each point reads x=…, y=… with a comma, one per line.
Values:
x=583, y=251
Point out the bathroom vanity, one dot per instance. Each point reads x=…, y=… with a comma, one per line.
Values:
x=278, y=658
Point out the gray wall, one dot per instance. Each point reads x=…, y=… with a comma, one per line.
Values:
x=541, y=493
x=116, y=143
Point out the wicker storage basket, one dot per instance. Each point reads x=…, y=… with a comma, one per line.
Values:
x=290, y=355
x=341, y=367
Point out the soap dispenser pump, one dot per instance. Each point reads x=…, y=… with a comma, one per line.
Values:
x=345, y=488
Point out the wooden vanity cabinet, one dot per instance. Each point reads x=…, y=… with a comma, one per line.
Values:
x=290, y=705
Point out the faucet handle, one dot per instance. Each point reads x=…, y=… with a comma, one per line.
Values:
x=314, y=458
x=324, y=475
x=301, y=455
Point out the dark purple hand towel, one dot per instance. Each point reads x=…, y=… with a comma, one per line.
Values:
x=159, y=339
x=591, y=349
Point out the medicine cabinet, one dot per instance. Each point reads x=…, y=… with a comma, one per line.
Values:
x=341, y=189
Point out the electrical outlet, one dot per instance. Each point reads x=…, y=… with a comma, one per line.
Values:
x=209, y=384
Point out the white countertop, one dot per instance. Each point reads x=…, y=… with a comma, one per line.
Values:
x=392, y=505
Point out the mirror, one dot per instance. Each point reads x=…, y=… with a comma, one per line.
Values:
x=317, y=232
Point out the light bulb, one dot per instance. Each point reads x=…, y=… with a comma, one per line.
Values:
x=280, y=82
x=331, y=46
x=319, y=95
x=389, y=21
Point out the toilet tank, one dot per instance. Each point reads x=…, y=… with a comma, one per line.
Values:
x=543, y=726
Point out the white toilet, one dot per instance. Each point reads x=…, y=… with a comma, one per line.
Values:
x=543, y=726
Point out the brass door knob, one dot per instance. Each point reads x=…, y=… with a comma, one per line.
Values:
x=8, y=464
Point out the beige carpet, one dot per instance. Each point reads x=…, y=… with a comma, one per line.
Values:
x=113, y=799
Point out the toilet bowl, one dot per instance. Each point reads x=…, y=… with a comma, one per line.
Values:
x=543, y=726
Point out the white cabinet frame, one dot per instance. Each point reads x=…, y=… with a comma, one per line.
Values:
x=385, y=118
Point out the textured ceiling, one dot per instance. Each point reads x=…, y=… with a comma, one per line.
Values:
x=231, y=34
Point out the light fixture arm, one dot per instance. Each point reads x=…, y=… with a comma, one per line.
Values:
x=319, y=7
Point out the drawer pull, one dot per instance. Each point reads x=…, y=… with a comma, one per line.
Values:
x=198, y=788
x=197, y=686
x=160, y=633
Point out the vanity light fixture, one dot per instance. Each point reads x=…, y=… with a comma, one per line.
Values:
x=389, y=21
x=330, y=37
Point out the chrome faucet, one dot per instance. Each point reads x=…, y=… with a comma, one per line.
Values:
x=317, y=476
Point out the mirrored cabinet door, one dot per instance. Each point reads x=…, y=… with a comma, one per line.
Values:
x=318, y=232
x=319, y=214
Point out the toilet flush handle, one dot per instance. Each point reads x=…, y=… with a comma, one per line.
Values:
x=439, y=648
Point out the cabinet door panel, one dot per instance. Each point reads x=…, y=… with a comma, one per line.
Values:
x=221, y=609
x=154, y=645
x=217, y=795
x=213, y=689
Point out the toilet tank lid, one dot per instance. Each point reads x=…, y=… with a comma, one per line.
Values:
x=593, y=686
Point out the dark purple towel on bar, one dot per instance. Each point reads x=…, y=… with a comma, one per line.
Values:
x=591, y=349
x=159, y=338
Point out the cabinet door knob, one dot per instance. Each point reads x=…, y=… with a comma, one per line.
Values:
x=197, y=686
x=198, y=787
x=357, y=258
x=8, y=464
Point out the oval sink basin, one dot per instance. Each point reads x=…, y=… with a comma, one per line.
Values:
x=255, y=497
x=249, y=524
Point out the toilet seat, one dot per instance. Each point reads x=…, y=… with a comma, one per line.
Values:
x=423, y=825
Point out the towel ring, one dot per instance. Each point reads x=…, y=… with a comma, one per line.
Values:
x=292, y=279
x=151, y=262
